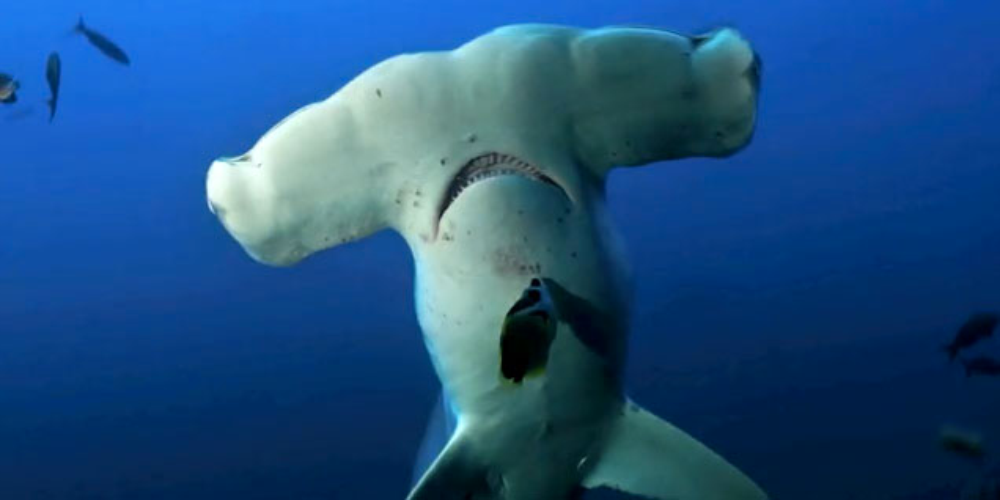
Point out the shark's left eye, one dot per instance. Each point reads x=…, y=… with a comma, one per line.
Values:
x=534, y=295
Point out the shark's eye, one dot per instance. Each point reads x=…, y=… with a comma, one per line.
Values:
x=534, y=295
x=536, y=282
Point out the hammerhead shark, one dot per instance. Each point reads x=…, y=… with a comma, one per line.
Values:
x=490, y=160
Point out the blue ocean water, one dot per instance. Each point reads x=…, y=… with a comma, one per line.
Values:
x=790, y=304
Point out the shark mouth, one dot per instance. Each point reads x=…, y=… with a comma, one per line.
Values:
x=488, y=166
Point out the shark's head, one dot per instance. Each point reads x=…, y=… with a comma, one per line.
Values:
x=726, y=79
x=540, y=109
x=665, y=96
x=297, y=190
x=490, y=161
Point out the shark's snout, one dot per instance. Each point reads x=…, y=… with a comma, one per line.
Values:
x=727, y=71
x=218, y=187
x=234, y=195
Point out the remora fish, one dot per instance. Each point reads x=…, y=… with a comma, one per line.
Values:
x=527, y=334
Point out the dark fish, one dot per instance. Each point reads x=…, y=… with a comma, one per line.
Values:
x=981, y=365
x=590, y=323
x=527, y=333
x=978, y=327
x=53, y=72
x=964, y=443
x=107, y=47
x=8, y=89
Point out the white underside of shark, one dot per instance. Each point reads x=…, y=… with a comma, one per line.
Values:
x=490, y=161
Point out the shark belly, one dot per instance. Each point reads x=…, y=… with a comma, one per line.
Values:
x=503, y=233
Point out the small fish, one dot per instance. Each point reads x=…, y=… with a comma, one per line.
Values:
x=103, y=44
x=978, y=327
x=981, y=365
x=8, y=89
x=964, y=443
x=53, y=72
x=528, y=331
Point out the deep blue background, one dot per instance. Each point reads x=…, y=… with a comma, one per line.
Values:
x=791, y=300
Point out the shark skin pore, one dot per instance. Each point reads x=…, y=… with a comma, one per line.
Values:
x=490, y=161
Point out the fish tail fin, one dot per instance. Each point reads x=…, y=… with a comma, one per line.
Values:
x=78, y=28
x=51, y=102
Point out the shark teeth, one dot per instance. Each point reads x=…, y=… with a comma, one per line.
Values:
x=488, y=166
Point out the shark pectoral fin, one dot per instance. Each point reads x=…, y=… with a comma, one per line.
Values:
x=456, y=474
x=649, y=457
x=440, y=427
